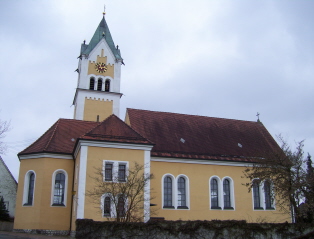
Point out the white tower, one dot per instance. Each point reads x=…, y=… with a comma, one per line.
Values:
x=98, y=90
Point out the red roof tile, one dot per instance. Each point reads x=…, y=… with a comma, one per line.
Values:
x=114, y=129
x=200, y=137
x=62, y=136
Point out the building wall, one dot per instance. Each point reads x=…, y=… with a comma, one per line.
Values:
x=41, y=215
x=94, y=107
x=8, y=187
x=199, y=194
x=96, y=155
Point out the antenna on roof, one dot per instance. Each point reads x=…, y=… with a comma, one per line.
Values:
x=258, y=117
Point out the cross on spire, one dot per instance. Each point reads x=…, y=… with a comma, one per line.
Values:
x=257, y=116
x=104, y=13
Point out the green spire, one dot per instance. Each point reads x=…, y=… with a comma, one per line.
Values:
x=101, y=32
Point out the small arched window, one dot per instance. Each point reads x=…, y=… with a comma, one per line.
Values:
x=30, y=189
x=121, y=206
x=107, y=85
x=59, y=189
x=168, y=192
x=99, y=84
x=182, y=193
x=107, y=206
x=214, y=196
x=92, y=83
x=226, y=191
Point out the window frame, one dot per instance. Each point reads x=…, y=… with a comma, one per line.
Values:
x=115, y=170
x=231, y=194
x=26, y=189
x=92, y=79
x=187, y=192
x=218, y=207
x=262, y=195
x=99, y=84
x=107, y=85
x=65, y=191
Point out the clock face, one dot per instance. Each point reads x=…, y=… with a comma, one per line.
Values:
x=100, y=67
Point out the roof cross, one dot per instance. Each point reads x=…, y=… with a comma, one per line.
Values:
x=257, y=116
x=104, y=13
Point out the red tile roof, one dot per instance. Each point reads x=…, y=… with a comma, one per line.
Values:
x=200, y=137
x=61, y=138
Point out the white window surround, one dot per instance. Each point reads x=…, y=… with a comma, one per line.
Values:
x=65, y=186
x=262, y=197
x=220, y=193
x=115, y=169
x=175, y=191
x=112, y=205
x=26, y=188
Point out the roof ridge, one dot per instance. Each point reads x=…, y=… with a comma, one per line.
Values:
x=202, y=116
x=52, y=135
x=39, y=138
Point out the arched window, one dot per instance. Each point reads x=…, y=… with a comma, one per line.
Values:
x=107, y=206
x=226, y=191
x=268, y=195
x=168, y=192
x=121, y=206
x=30, y=183
x=59, y=190
x=99, y=84
x=182, y=193
x=107, y=85
x=92, y=83
x=214, y=194
x=256, y=195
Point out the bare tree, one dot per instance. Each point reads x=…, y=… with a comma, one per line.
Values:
x=286, y=169
x=122, y=200
x=4, y=127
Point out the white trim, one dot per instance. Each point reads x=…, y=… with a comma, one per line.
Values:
x=147, y=186
x=111, y=145
x=220, y=200
x=198, y=161
x=26, y=188
x=82, y=183
x=173, y=191
x=65, y=187
x=46, y=155
x=232, y=201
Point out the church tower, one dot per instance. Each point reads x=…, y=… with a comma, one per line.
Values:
x=98, y=94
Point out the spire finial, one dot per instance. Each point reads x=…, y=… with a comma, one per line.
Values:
x=104, y=13
x=258, y=117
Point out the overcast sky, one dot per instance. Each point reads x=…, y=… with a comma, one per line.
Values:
x=219, y=58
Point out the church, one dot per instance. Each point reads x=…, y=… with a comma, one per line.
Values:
x=197, y=161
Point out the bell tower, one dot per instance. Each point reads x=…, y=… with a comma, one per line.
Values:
x=99, y=71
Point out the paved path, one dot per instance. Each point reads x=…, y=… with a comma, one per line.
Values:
x=18, y=235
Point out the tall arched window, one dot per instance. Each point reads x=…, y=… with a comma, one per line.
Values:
x=30, y=189
x=182, y=193
x=226, y=191
x=256, y=195
x=92, y=83
x=168, y=201
x=107, y=206
x=99, y=84
x=214, y=196
x=107, y=85
x=59, y=189
x=121, y=206
x=268, y=196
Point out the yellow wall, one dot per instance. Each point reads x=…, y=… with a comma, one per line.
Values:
x=199, y=175
x=96, y=156
x=42, y=215
x=102, y=59
x=94, y=107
